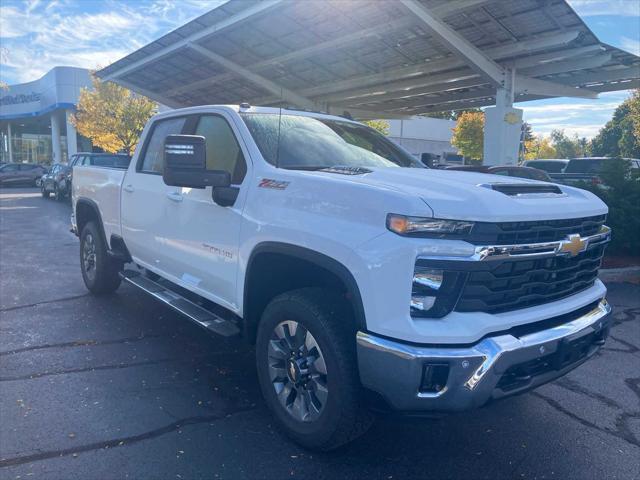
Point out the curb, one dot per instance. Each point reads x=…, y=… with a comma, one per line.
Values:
x=626, y=274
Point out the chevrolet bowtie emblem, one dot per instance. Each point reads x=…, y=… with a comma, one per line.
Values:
x=573, y=245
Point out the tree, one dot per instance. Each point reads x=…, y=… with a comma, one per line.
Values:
x=468, y=135
x=565, y=146
x=112, y=116
x=380, y=125
x=539, y=147
x=620, y=137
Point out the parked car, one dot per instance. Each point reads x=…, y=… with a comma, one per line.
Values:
x=507, y=170
x=56, y=181
x=549, y=165
x=357, y=273
x=589, y=169
x=16, y=174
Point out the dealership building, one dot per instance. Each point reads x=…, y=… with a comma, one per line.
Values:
x=35, y=118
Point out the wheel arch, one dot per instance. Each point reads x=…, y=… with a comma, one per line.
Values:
x=86, y=211
x=274, y=268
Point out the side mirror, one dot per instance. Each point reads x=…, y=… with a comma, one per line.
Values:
x=427, y=159
x=185, y=164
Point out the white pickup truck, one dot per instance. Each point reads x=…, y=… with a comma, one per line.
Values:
x=365, y=280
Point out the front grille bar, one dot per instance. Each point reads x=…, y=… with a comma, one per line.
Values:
x=570, y=246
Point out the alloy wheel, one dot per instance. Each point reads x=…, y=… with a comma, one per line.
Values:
x=89, y=256
x=297, y=371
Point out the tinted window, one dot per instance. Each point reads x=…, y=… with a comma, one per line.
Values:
x=585, y=166
x=551, y=167
x=223, y=151
x=10, y=168
x=25, y=166
x=152, y=162
x=113, y=161
x=295, y=141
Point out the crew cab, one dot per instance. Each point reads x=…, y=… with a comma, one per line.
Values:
x=365, y=280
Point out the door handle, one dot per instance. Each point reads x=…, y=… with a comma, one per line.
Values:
x=128, y=188
x=174, y=196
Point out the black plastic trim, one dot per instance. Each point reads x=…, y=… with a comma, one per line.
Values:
x=316, y=258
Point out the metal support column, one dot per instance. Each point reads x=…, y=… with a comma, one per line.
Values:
x=10, y=142
x=72, y=136
x=503, y=126
x=55, y=138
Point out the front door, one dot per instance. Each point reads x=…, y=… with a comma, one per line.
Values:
x=146, y=211
x=203, y=235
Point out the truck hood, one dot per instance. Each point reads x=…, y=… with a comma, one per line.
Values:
x=467, y=196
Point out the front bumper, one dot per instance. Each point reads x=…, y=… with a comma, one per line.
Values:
x=495, y=367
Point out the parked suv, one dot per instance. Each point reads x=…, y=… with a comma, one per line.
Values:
x=56, y=181
x=589, y=169
x=361, y=277
x=20, y=174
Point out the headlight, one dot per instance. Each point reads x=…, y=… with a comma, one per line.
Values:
x=426, y=227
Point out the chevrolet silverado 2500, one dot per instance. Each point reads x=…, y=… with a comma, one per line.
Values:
x=361, y=277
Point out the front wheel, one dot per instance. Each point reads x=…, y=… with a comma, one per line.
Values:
x=100, y=272
x=44, y=191
x=307, y=368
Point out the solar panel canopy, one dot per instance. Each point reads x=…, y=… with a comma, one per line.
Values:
x=377, y=58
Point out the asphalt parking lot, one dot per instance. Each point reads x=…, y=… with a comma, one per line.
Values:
x=122, y=387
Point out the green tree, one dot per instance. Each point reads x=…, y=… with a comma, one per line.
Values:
x=565, y=146
x=468, y=135
x=620, y=137
x=112, y=116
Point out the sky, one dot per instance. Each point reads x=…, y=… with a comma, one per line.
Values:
x=36, y=35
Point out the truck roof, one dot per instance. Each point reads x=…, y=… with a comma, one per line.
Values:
x=245, y=108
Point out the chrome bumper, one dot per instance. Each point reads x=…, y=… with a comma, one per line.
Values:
x=477, y=373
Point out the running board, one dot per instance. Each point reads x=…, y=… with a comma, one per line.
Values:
x=196, y=313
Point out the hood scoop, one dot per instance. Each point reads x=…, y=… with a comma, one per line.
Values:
x=525, y=189
x=346, y=170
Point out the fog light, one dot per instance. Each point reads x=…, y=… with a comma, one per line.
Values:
x=422, y=303
x=428, y=277
x=434, y=377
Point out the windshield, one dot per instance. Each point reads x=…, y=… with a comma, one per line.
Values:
x=317, y=143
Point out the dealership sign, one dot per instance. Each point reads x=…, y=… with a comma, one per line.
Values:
x=20, y=98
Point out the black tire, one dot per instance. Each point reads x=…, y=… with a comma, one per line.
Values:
x=100, y=272
x=325, y=316
x=57, y=194
x=44, y=191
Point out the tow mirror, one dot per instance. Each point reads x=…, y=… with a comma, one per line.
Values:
x=185, y=164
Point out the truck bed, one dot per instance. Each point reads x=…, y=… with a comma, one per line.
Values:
x=102, y=185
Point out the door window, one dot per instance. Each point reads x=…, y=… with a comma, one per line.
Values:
x=10, y=168
x=152, y=158
x=223, y=150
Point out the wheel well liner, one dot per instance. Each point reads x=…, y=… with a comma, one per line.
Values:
x=87, y=210
x=274, y=268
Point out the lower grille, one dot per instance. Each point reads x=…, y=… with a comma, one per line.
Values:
x=511, y=285
x=568, y=353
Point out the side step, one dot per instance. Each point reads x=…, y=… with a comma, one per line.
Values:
x=196, y=313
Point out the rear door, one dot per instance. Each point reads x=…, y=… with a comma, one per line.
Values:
x=204, y=235
x=146, y=212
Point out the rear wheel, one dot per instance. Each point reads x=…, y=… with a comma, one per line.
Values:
x=44, y=191
x=306, y=361
x=58, y=195
x=100, y=272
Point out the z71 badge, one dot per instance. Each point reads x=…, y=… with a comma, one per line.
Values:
x=274, y=184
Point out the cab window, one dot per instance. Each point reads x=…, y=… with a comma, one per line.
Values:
x=222, y=149
x=152, y=158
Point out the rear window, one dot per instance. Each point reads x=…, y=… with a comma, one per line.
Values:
x=113, y=161
x=588, y=165
x=550, y=167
